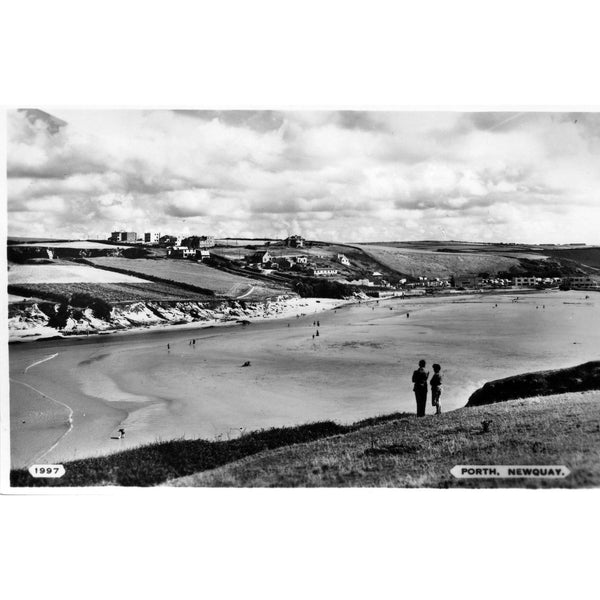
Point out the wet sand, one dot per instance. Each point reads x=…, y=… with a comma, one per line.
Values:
x=359, y=366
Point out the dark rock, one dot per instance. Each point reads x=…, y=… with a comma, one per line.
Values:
x=541, y=383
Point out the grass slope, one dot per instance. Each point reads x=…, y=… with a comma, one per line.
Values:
x=152, y=464
x=411, y=452
x=439, y=264
x=192, y=273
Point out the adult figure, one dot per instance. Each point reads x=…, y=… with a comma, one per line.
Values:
x=419, y=379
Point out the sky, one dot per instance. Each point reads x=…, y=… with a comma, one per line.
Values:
x=346, y=176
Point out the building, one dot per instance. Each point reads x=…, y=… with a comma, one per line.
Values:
x=343, y=259
x=199, y=241
x=301, y=260
x=263, y=257
x=323, y=272
x=202, y=254
x=151, y=237
x=129, y=237
x=468, y=281
x=294, y=241
x=180, y=252
x=525, y=281
x=581, y=283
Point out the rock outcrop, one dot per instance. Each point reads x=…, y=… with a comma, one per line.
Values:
x=541, y=383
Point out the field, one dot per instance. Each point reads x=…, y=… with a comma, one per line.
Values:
x=79, y=245
x=196, y=274
x=425, y=263
x=65, y=273
x=110, y=292
x=585, y=256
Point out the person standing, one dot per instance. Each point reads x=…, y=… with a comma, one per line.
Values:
x=436, y=388
x=419, y=379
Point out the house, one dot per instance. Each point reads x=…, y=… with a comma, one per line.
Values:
x=263, y=257
x=323, y=272
x=180, y=252
x=199, y=241
x=343, y=259
x=202, y=254
x=151, y=237
x=301, y=260
x=294, y=241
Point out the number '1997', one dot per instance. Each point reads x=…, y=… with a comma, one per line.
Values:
x=46, y=470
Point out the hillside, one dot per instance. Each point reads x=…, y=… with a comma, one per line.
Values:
x=411, y=452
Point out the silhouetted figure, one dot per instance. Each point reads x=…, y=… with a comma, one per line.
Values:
x=436, y=388
x=246, y=364
x=407, y=315
x=318, y=324
x=419, y=379
x=121, y=433
x=193, y=342
x=168, y=347
x=317, y=334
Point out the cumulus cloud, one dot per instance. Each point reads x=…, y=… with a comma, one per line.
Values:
x=339, y=175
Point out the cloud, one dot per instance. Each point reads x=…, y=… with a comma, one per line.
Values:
x=344, y=175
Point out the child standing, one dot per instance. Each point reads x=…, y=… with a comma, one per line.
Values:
x=436, y=388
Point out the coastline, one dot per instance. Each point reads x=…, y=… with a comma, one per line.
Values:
x=200, y=391
x=284, y=309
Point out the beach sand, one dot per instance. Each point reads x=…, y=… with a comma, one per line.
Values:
x=359, y=366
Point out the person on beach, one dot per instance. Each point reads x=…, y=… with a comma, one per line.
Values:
x=419, y=379
x=436, y=388
x=121, y=433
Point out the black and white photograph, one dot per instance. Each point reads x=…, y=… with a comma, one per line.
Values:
x=303, y=298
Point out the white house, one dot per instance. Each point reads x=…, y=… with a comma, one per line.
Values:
x=202, y=254
x=343, y=259
x=180, y=252
x=323, y=271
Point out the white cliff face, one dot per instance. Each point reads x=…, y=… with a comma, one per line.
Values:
x=28, y=321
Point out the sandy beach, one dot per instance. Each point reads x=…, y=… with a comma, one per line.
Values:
x=72, y=403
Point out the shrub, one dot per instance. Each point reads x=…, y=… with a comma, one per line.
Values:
x=100, y=308
x=59, y=318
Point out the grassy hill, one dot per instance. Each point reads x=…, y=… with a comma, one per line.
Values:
x=411, y=452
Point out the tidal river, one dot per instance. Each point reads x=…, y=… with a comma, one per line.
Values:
x=72, y=402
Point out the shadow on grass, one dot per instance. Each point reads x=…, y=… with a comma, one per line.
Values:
x=155, y=463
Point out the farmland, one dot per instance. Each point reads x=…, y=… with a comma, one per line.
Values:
x=112, y=293
x=79, y=245
x=416, y=262
x=195, y=274
x=65, y=273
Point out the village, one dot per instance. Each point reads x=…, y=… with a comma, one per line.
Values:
x=297, y=256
